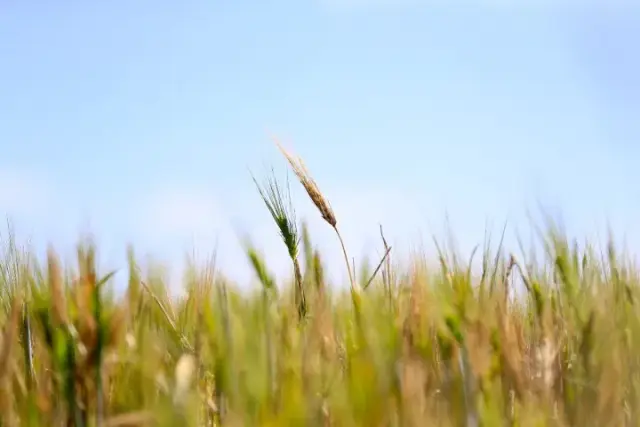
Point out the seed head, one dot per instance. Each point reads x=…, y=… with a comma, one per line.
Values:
x=310, y=186
x=279, y=204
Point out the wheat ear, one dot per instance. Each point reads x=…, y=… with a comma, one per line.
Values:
x=319, y=200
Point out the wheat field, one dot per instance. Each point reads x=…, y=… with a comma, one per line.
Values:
x=400, y=346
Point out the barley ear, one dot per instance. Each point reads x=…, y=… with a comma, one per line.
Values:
x=323, y=206
x=281, y=209
x=310, y=186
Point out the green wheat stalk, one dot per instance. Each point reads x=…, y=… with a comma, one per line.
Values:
x=279, y=205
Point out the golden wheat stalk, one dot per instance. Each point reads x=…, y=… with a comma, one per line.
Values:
x=56, y=287
x=9, y=335
x=318, y=200
x=310, y=186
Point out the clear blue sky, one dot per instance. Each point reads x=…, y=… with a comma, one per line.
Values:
x=139, y=120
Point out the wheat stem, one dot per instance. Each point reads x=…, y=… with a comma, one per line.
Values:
x=346, y=259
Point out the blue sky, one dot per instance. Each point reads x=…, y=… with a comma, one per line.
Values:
x=139, y=120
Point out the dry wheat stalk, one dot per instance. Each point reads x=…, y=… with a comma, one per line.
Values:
x=320, y=201
x=310, y=186
x=56, y=287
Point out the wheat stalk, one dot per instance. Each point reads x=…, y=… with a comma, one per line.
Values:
x=310, y=186
x=319, y=201
x=279, y=205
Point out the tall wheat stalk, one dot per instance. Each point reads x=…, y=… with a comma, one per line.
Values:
x=279, y=205
x=321, y=203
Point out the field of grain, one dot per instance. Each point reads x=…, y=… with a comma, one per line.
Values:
x=401, y=346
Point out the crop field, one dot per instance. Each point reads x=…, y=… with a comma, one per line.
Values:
x=399, y=346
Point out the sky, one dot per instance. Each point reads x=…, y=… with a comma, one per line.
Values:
x=141, y=121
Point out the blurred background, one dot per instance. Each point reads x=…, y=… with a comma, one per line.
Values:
x=140, y=122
